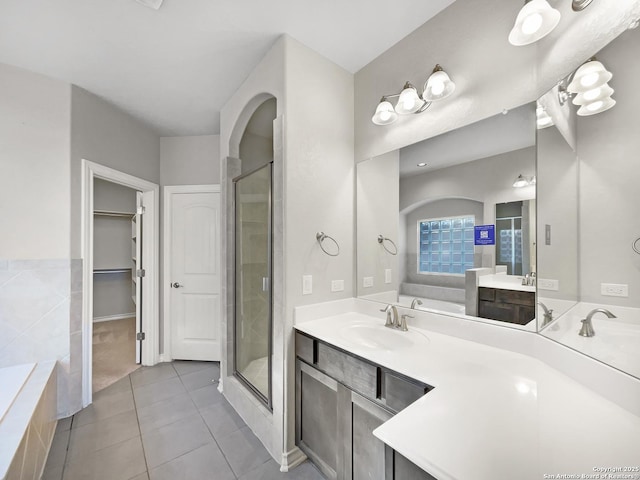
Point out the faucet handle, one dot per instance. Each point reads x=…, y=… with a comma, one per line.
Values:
x=403, y=322
x=389, y=321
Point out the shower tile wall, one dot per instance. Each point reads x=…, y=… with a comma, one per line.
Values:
x=40, y=319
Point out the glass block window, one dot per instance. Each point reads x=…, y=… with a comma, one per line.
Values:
x=445, y=245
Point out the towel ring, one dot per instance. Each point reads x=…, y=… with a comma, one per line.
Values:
x=321, y=237
x=381, y=241
x=635, y=247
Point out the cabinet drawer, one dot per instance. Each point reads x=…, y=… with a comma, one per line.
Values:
x=397, y=392
x=351, y=371
x=515, y=297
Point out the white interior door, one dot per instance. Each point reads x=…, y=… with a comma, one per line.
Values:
x=194, y=274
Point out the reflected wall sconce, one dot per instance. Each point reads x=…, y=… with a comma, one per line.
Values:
x=437, y=87
x=522, y=181
x=543, y=119
x=537, y=19
x=588, y=87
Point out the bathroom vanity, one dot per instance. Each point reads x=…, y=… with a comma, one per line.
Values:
x=374, y=402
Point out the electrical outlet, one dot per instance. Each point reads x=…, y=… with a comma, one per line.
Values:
x=548, y=284
x=367, y=282
x=307, y=284
x=614, y=290
x=337, y=285
x=387, y=275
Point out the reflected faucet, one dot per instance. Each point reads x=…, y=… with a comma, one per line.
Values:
x=414, y=302
x=587, y=327
x=548, y=314
x=529, y=279
x=392, y=316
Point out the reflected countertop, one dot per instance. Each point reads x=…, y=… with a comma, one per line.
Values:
x=493, y=414
x=504, y=282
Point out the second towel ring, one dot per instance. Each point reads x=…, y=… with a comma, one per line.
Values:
x=634, y=245
x=321, y=237
x=381, y=241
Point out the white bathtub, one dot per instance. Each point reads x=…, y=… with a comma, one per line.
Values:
x=27, y=418
x=429, y=304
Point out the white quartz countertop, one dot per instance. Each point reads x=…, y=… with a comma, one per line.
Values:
x=493, y=414
x=504, y=282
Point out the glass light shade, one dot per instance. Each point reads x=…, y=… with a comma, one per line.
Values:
x=438, y=86
x=534, y=21
x=520, y=182
x=593, y=95
x=543, y=119
x=589, y=76
x=409, y=101
x=598, y=106
x=385, y=114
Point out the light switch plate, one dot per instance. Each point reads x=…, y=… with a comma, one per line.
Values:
x=307, y=284
x=367, y=282
x=548, y=284
x=387, y=275
x=614, y=290
x=337, y=285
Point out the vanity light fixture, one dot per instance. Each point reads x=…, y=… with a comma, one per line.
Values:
x=437, y=87
x=522, y=181
x=536, y=20
x=589, y=88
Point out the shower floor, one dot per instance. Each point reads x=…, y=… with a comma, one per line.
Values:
x=257, y=372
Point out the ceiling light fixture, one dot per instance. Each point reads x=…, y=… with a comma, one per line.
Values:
x=534, y=21
x=438, y=86
x=522, y=181
x=155, y=4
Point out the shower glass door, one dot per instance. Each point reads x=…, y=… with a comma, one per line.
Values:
x=253, y=281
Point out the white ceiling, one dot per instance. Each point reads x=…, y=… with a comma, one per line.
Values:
x=174, y=68
x=495, y=135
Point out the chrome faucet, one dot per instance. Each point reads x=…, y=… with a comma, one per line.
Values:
x=414, y=302
x=392, y=316
x=529, y=279
x=587, y=328
x=548, y=314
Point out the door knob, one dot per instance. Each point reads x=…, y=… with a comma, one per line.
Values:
x=176, y=285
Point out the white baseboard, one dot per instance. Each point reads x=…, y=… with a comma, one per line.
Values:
x=108, y=318
x=292, y=459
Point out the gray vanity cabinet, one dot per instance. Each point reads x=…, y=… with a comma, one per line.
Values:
x=340, y=400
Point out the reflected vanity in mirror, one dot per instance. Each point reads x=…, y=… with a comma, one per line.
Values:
x=588, y=200
x=457, y=215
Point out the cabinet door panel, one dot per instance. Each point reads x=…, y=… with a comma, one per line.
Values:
x=368, y=455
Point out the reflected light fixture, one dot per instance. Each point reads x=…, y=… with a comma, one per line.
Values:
x=543, y=119
x=522, y=181
x=438, y=86
x=536, y=20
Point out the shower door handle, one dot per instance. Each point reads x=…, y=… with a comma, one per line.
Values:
x=265, y=284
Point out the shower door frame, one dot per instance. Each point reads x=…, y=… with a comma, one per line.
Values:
x=266, y=401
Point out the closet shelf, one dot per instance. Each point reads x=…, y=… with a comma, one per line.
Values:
x=112, y=270
x=108, y=213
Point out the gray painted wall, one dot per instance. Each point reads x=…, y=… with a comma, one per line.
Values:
x=191, y=160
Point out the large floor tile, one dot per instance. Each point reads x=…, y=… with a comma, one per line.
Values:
x=104, y=406
x=206, y=396
x=171, y=441
x=147, y=375
x=64, y=424
x=156, y=392
x=243, y=451
x=184, y=367
x=52, y=472
x=202, y=463
x=271, y=471
x=122, y=385
x=165, y=412
x=201, y=378
x=122, y=461
x=58, y=452
x=101, y=434
x=222, y=419
x=142, y=476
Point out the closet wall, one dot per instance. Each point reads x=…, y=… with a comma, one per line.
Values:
x=113, y=252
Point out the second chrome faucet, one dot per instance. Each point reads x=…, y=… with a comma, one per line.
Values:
x=393, y=321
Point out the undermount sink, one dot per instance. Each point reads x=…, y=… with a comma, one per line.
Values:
x=379, y=337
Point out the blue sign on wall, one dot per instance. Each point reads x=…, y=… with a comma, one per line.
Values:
x=485, y=235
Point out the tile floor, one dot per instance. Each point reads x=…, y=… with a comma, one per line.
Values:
x=166, y=422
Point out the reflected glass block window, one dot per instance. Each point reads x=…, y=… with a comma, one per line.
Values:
x=445, y=245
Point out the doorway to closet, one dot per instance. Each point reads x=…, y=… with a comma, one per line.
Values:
x=120, y=249
x=117, y=322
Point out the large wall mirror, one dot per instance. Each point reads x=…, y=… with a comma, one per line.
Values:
x=449, y=224
x=589, y=226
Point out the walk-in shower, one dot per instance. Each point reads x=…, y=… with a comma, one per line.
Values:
x=253, y=273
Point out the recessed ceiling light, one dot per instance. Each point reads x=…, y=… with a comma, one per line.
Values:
x=422, y=164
